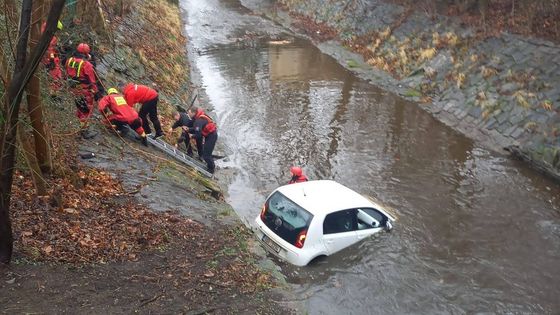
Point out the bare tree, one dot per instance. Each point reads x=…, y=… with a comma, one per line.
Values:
x=23, y=71
x=34, y=103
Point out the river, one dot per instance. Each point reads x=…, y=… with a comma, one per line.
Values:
x=477, y=232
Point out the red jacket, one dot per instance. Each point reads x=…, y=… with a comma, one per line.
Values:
x=81, y=70
x=119, y=107
x=137, y=93
x=52, y=53
x=204, y=123
x=298, y=179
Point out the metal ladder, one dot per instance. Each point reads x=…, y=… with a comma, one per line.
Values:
x=180, y=156
x=171, y=150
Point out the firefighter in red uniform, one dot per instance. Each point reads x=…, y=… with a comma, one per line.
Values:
x=297, y=175
x=51, y=61
x=205, y=133
x=121, y=114
x=83, y=83
x=148, y=97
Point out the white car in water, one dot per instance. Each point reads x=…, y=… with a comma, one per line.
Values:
x=300, y=222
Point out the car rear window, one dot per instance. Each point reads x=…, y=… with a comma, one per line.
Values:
x=285, y=218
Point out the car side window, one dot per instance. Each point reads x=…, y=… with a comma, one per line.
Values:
x=369, y=218
x=339, y=222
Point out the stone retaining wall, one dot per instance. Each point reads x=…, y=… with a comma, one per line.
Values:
x=504, y=91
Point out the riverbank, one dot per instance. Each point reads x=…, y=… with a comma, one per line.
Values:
x=500, y=90
x=130, y=230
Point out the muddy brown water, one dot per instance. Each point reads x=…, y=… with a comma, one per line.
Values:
x=477, y=231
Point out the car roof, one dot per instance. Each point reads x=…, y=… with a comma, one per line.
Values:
x=324, y=196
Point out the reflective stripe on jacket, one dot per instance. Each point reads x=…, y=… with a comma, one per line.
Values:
x=119, y=107
x=82, y=71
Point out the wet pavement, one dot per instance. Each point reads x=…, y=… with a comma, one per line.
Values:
x=477, y=231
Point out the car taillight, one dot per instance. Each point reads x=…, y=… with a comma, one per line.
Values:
x=263, y=211
x=300, y=239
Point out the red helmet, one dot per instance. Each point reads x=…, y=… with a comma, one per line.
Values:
x=296, y=171
x=83, y=48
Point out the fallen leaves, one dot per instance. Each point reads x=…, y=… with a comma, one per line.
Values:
x=106, y=225
x=94, y=223
x=427, y=54
x=316, y=30
x=547, y=105
x=48, y=249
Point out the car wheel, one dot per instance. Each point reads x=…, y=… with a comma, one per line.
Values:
x=317, y=260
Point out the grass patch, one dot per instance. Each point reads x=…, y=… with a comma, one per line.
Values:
x=352, y=63
x=413, y=93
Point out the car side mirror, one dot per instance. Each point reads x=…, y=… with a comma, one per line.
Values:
x=388, y=226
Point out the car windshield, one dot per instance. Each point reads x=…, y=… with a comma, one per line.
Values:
x=285, y=217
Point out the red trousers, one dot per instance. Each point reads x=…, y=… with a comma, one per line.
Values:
x=84, y=103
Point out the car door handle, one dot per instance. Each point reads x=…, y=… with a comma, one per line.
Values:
x=329, y=242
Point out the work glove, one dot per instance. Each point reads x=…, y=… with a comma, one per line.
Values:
x=51, y=65
x=98, y=95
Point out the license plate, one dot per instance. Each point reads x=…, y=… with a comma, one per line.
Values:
x=271, y=244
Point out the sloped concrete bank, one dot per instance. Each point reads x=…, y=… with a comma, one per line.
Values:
x=503, y=91
x=152, y=177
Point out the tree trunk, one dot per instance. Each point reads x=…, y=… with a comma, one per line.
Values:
x=27, y=148
x=9, y=131
x=34, y=103
x=12, y=99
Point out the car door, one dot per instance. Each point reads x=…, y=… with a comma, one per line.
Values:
x=369, y=222
x=339, y=230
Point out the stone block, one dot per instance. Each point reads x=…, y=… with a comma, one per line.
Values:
x=509, y=130
x=553, y=94
x=515, y=119
x=450, y=104
x=549, y=51
x=539, y=118
x=475, y=112
x=461, y=114
x=518, y=56
x=469, y=120
x=440, y=62
x=517, y=132
x=502, y=117
x=518, y=110
x=550, y=156
x=490, y=123
x=552, y=71
x=502, y=127
x=508, y=88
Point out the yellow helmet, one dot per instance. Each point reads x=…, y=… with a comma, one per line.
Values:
x=59, y=25
x=112, y=91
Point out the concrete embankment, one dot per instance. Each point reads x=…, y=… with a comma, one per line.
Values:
x=502, y=91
